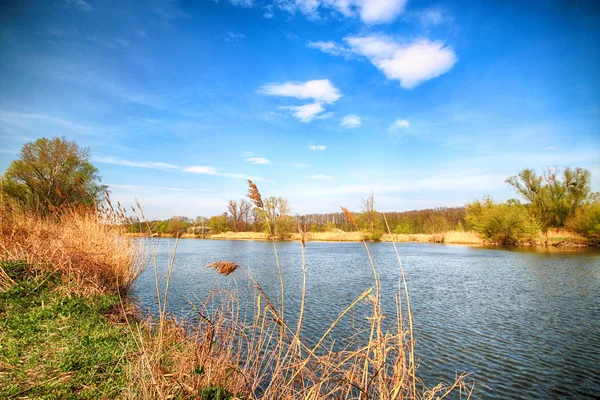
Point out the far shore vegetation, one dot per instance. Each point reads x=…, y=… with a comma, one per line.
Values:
x=554, y=208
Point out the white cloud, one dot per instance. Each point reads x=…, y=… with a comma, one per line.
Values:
x=410, y=63
x=321, y=176
x=432, y=16
x=332, y=48
x=258, y=160
x=268, y=14
x=400, y=123
x=247, y=154
x=550, y=148
x=138, y=164
x=379, y=11
x=232, y=37
x=200, y=169
x=320, y=90
x=369, y=11
x=317, y=147
x=351, y=121
x=82, y=5
x=242, y=3
x=308, y=112
x=193, y=169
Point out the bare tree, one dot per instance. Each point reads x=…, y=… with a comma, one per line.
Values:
x=232, y=207
x=245, y=209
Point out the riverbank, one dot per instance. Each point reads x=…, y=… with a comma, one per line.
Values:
x=555, y=238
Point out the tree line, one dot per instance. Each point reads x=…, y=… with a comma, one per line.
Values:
x=52, y=173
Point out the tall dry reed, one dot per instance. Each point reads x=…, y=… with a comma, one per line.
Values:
x=81, y=243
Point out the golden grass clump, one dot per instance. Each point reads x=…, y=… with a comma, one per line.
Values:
x=75, y=241
x=223, y=267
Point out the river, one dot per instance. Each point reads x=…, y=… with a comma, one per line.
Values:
x=525, y=323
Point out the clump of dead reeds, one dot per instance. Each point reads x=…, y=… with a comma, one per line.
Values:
x=82, y=243
x=223, y=267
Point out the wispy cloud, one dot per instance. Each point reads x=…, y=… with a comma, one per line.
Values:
x=321, y=176
x=410, y=63
x=81, y=4
x=259, y=160
x=332, y=48
x=145, y=188
x=319, y=90
x=308, y=112
x=247, y=154
x=200, y=169
x=351, y=121
x=268, y=14
x=399, y=127
x=370, y=12
x=400, y=123
x=242, y=3
x=232, y=37
x=550, y=148
x=192, y=169
x=317, y=147
x=139, y=164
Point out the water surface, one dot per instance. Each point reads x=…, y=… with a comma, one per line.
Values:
x=525, y=323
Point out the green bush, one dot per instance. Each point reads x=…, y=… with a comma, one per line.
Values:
x=586, y=221
x=501, y=223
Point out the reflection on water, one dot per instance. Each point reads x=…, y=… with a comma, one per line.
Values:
x=524, y=322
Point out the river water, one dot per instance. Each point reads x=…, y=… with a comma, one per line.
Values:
x=525, y=323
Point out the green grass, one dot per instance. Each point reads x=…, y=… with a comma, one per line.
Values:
x=59, y=346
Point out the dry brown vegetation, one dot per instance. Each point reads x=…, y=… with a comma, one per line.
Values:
x=80, y=243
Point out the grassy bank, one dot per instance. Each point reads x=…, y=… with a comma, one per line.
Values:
x=55, y=344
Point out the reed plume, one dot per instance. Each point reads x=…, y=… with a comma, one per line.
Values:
x=223, y=267
x=349, y=216
x=254, y=194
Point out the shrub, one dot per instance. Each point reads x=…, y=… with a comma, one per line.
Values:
x=501, y=223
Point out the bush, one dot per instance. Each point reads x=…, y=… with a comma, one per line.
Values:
x=586, y=221
x=501, y=223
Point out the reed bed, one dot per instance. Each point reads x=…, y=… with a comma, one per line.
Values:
x=81, y=243
x=249, y=349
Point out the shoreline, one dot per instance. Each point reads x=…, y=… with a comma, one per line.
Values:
x=450, y=238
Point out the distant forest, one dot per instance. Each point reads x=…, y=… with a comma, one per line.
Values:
x=554, y=199
x=430, y=221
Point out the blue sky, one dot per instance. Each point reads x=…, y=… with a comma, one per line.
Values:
x=422, y=103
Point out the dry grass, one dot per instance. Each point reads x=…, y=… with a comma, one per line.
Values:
x=562, y=234
x=407, y=238
x=79, y=243
x=462, y=237
x=241, y=236
x=334, y=236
